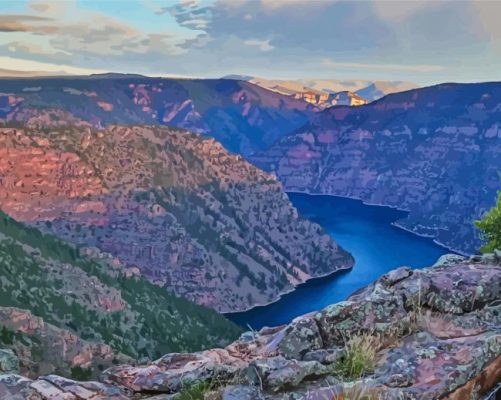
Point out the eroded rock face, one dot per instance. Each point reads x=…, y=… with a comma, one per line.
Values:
x=438, y=335
x=170, y=206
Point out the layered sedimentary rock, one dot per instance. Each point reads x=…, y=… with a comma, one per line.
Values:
x=436, y=334
x=170, y=206
x=435, y=152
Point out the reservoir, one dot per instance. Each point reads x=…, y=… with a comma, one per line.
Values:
x=368, y=234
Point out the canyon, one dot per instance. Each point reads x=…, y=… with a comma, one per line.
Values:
x=134, y=209
x=434, y=152
x=170, y=206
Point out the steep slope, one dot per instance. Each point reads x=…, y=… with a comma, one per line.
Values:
x=168, y=205
x=435, y=152
x=410, y=335
x=80, y=309
x=242, y=116
x=42, y=348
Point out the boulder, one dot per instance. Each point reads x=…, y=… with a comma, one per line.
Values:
x=241, y=392
x=301, y=336
x=276, y=373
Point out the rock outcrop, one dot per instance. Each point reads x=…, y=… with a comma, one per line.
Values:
x=33, y=347
x=168, y=205
x=434, y=152
x=434, y=333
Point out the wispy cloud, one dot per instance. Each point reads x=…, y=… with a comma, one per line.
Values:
x=275, y=38
x=16, y=64
x=383, y=67
x=263, y=45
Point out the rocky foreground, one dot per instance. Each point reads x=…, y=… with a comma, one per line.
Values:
x=419, y=334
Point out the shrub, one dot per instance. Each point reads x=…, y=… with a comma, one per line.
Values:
x=490, y=225
x=194, y=392
x=81, y=374
x=6, y=336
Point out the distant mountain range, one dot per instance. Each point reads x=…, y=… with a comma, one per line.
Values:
x=326, y=93
x=435, y=152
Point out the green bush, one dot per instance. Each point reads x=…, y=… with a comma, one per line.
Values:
x=490, y=225
x=81, y=374
x=6, y=336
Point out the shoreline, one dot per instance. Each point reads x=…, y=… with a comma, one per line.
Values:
x=394, y=223
x=292, y=289
x=339, y=270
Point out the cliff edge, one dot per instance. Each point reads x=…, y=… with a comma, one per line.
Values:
x=414, y=334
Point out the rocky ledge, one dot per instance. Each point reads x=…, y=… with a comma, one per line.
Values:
x=413, y=334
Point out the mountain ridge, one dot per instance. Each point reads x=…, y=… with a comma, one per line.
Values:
x=242, y=116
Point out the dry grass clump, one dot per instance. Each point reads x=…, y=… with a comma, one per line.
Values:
x=359, y=357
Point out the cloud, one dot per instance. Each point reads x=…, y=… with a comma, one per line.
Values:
x=263, y=45
x=320, y=26
x=17, y=64
x=406, y=40
x=190, y=14
x=383, y=67
x=26, y=23
x=61, y=32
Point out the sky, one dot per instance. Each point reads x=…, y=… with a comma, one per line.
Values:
x=424, y=42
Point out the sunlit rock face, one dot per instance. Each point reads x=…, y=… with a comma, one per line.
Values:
x=169, y=205
x=435, y=152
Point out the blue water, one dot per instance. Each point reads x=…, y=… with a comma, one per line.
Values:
x=366, y=232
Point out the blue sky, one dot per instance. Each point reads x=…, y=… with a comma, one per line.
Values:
x=420, y=41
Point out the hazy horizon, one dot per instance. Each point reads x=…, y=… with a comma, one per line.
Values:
x=412, y=41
